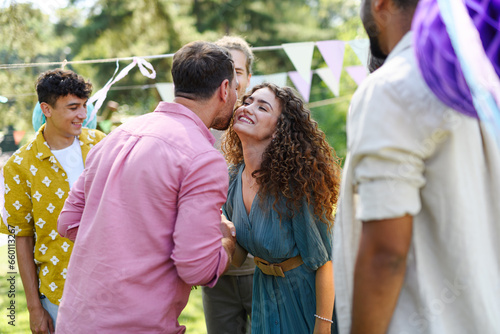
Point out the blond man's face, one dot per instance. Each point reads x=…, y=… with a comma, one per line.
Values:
x=242, y=75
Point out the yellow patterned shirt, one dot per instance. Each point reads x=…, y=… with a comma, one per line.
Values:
x=36, y=187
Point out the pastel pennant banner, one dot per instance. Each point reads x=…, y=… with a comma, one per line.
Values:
x=328, y=77
x=100, y=96
x=279, y=79
x=333, y=54
x=361, y=48
x=166, y=90
x=303, y=86
x=300, y=55
x=357, y=73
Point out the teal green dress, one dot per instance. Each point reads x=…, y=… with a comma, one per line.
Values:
x=280, y=304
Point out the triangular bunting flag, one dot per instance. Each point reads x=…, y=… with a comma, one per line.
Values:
x=327, y=76
x=333, y=54
x=357, y=73
x=166, y=90
x=257, y=80
x=301, y=56
x=279, y=79
x=361, y=48
x=302, y=86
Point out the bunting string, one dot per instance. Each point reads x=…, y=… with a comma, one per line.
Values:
x=300, y=54
x=310, y=105
x=112, y=60
x=89, y=61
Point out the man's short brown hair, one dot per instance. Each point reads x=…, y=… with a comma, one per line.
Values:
x=199, y=68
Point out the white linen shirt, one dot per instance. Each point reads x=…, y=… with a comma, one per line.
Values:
x=410, y=154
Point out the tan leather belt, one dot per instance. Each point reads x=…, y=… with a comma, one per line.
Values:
x=278, y=269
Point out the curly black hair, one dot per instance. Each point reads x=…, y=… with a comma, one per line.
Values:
x=53, y=84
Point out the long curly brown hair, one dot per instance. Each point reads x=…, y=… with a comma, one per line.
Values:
x=297, y=163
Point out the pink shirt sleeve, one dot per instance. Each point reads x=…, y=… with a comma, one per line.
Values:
x=71, y=214
x=198, y=253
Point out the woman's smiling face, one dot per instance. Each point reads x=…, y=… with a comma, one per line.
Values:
x=258, y=116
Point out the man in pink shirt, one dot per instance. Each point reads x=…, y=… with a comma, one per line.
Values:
x=146, y=211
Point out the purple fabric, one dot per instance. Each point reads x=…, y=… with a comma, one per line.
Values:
x=436, y=58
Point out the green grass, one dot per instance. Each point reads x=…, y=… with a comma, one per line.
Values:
x=192, y=317
x=22, y=316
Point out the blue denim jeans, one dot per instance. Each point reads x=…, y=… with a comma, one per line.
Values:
x=51, y=308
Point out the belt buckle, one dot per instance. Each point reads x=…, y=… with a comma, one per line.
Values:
x=270, y=269
x=277, y=270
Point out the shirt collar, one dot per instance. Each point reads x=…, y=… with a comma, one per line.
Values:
x=43, y=149
x=177, y=108
x=402, y=45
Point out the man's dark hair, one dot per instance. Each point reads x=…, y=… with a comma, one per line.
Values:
x=53, y=84
x=199, y=68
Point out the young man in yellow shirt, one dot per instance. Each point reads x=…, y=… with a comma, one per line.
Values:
x=37, y=179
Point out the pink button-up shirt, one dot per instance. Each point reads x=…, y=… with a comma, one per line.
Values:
x=146, y=217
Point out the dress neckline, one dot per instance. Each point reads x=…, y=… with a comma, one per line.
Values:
x=255, y=199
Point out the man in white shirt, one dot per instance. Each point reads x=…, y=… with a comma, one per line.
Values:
x=416, y=239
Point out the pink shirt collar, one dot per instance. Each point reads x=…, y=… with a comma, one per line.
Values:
x=176, y=108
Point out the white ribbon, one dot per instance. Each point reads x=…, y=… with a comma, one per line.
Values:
x=100, y=96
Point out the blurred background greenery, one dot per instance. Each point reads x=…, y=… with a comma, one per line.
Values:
x=96, y=29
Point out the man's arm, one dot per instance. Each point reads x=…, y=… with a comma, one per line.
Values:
x=239, y=254
x=379, y=273
x=19, y=206
x=40, y=320
x=201, y=251
x=71, y=214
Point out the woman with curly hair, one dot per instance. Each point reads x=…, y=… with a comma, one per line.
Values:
x=284, y=184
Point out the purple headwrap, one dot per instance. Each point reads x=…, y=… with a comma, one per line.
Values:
x=436, y=57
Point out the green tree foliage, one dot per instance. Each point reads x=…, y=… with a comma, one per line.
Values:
x=274, y=22
x=24, y=33
x=28, y=36
x=116, y=29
